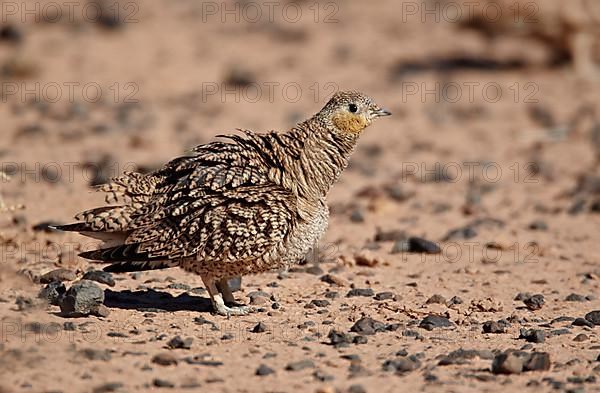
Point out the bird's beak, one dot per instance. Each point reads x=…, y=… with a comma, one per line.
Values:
x=378, y=112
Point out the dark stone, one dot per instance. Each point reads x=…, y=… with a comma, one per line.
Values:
x=390, y=236
x=402, y=365
x=259, y=328
x=204, y=321
x=357, y=389
x=538, y=225
x=52, y=292
x=384, y=296
x=463, y=356
x=454, y=300
x=508, y=363
x=436, y=299
x=360, y=340
x=339, y=339
x=562, y=319
x=367, y=292
x=162, y=383
x=58, y=275
x=573, y=297
x=522, y=296
x=357, y=216
x=108, y=387
x=580, y=337
x=495, y=326
x=11, y=34
x=239, y=77
x=320, y=302
x=164, y=359
x=300, y=365
x=263, y=370
x=321, y=376
x=100, y=276
x=420, y=245
x=593, y=317
x=537, y=361
x=332, y=279
x=411, y=333
x=462, y=233
x=178, y=343
x=534, y=302
x=367, y=326
x=431, y=322
x=582, y=322
x=25, y=303
x=96, y=354
x=515, y=362
x=532, y=335
x=83, y=298
x=560, y=332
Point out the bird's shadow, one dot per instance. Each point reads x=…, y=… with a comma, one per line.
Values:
x=155, y=301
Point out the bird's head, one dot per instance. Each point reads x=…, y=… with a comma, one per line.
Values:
x=350, y=112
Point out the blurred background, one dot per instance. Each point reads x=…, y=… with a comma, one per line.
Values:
x=494, y=102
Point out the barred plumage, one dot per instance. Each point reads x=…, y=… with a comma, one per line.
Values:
x=246, y=204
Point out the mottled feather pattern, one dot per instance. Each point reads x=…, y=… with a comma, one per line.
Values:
x=243, y=204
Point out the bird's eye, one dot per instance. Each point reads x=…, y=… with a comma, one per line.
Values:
x=353, y=108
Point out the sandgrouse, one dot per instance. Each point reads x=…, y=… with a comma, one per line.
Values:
x=247, y=204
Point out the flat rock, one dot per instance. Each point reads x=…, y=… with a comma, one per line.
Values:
x=300, y=365
x=164, y=359
x=334, y=280
x=367, y=292
x=100, y=276
x=384, y=296
x=420, y=245
x=367, y=326
x=58, y=275
x=431, y=322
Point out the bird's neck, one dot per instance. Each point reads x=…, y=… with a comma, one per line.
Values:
x=317, y=155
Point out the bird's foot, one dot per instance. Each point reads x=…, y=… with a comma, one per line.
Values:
x=232, y=309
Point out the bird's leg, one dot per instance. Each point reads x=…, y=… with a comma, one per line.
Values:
x=217, y=299
x=223, y=287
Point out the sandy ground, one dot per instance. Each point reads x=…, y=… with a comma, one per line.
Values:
x=511, y=152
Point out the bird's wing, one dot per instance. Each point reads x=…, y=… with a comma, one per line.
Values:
x=218, y=204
